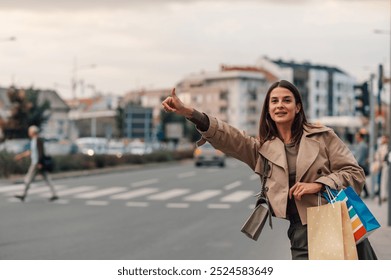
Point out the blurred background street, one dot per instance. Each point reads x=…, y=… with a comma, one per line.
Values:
x=91, y=76
x=175, y=212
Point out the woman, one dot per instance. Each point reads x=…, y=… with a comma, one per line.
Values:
x=381, y=159
x=302, y=157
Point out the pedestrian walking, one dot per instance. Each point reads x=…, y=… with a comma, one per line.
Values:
x=302, y=157
x=362, y=156
x=381, y=161
x=37, y=154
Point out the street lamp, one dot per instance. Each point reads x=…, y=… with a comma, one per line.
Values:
x=388, y=32
x=9, y=39
x=75, y=69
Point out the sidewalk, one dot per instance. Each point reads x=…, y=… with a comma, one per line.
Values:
x=381, y=238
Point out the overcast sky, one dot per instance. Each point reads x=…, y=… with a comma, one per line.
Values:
x=153, y=44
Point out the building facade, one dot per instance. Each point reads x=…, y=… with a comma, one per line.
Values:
x=325, y=90
x=233, y=94
x=138, y=122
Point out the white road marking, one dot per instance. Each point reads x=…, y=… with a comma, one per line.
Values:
x=72, y=191
x=11, y=188
x=203, y=195
x=168, y=194
x=135, y=193
x=177, y=205
x=14, y=199
x=237, y=196
x=61, y=201
x=101, y=192
x=254, y=177
x=97, y=203
x=219, y=206
x=212, y=170
x=233, y=185
x=36, y=190
x=186, y=174
x=137, y=204
x=144, y=183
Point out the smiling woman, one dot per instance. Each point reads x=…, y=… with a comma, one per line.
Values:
x=301, y=158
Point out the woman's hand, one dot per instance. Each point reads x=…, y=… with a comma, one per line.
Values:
x=175, y=105
x=299, y=189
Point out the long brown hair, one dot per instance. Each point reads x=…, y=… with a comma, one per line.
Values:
x=267, y=127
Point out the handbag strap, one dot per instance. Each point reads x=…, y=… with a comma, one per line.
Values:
x=262, y=194
x=264, y=189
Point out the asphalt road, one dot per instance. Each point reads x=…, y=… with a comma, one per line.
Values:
x=161, y=213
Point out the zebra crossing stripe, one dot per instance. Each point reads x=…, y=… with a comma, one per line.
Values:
x=237, y=196
x=186, y=174
x=168, y=194
x=36, y=190
x=203, y=195
x=144, y=183
x=72, y=191
x=134, y=194
x=137, y=204
x=96, y=203
x=100, y=193
x=11, y=188
x=177, y=205
x=233, y=185
x=219, y=206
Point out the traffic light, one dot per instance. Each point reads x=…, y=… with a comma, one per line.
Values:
x=362, y=98
x=380, y=86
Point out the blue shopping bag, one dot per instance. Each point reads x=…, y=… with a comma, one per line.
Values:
x=366, y=217
x=354, y=202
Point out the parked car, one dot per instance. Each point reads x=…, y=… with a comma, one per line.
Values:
x=15, y=146
x=206, y=154
x=116, y=148
x=139, y=148
x=92, y=145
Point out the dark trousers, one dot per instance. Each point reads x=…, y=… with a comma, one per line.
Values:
x=297, y=234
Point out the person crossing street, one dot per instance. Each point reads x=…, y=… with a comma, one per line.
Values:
x=37, y=154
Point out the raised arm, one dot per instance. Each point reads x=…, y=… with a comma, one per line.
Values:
x=221, y=135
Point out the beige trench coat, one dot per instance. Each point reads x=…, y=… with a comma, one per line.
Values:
x=322, y=158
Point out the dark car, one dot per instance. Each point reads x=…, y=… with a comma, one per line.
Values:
x=206, y=154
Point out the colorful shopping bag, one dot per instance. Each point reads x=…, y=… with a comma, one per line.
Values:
x=330, y=235
x=363, y=221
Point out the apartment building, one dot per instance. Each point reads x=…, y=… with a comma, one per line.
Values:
x=326, y=91
x=234, y=94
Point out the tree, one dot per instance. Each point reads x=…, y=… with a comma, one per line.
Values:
x=119, y=120
x=26, y=110
x=189, y=130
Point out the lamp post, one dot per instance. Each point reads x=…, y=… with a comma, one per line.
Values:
x=388, y=32
x=75, y=70
x=8, y=39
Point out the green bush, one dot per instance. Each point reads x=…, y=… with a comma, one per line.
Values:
x=9, y=166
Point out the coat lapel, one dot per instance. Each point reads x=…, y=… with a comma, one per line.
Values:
x=308, y=152
x=274, y=151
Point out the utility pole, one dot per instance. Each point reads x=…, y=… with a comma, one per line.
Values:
x=389, y=132
x=372, y=136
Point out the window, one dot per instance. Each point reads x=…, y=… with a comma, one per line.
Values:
x=252, y=110
x=224, y=95
x=252, y=93
x=317, y=84
x=223, y=110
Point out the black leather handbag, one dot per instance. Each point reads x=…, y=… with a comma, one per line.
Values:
x=253, y=226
